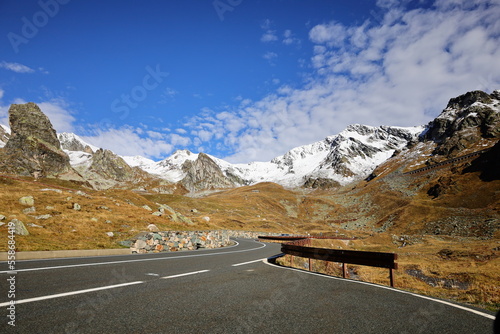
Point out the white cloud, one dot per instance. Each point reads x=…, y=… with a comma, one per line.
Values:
x=289, y=38
x=399, y=69
x=269, y=36
x=57, y=110
x=128, y=141
x=16, y=67
x=270, y=57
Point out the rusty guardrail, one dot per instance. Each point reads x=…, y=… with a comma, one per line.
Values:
x=301, y=247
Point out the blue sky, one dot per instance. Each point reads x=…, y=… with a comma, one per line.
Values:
x=239, y=79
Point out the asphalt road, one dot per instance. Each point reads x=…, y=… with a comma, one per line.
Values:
x=228, y=290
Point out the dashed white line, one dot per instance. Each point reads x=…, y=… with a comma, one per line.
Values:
x=186, y=274
x=243, y=263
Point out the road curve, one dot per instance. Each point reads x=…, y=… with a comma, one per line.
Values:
x=228, y=290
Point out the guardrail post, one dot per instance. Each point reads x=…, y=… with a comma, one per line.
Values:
x=344, y=270
x=291, y=260
x=310, y=265
x=391, y=277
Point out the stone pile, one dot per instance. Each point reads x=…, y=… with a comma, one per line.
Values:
x=172, y=241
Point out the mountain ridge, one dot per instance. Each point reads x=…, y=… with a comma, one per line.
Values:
x=337, y=160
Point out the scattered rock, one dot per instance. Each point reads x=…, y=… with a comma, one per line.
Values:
x=76, y=207
x=19, y=227
x=108, y=222
x=194, y=211
x=2, y=217
x=27, y=200
x=29, y=210
x=47, y=216
x=207, y=219
x=34, y=225
x=110, y=234
x=48, y=207
x=157, y=213
x=147, y=207
x=103, y=207
x=153, y=228
x=94, y=219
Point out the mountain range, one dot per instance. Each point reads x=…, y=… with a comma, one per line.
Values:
x=335, y=161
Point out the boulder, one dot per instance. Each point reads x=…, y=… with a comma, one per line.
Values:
x=27, y=201
x=31, y=209
x=19, y=227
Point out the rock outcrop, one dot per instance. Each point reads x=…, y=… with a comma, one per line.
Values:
x=33, y=148
x=466, y=119
x=204, y=173
x=106, y=170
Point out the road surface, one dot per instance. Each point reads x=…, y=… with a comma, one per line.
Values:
x=227, y=290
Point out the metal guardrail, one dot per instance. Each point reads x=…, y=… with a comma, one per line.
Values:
x=300, y=248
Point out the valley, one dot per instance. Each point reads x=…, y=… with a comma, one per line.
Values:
x=444, y=222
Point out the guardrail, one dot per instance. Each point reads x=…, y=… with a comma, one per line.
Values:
x=373, y=259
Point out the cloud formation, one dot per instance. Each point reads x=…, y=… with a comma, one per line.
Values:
x=398, y=68
x=16, y=67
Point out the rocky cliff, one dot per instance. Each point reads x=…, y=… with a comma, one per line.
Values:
x=466, y=120
x=33, y=147
x=204, y=173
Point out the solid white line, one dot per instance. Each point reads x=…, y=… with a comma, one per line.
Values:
x=29, y=300
x=185, y=274
x=129, y=261
x=91, y=257
x=243, y=263
x=486, y=315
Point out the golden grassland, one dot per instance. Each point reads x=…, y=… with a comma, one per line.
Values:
x=466, y=270
x=378, y=213
x=116, y=211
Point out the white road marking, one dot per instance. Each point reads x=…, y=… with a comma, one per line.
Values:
x=72, y=293
x=243, y=263
x=185, y=274
x=151, y=274
x=29, y=300
x=129, y=261
x=486, y=315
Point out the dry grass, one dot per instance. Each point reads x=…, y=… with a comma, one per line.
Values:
x=466, y=270
x=116, y=211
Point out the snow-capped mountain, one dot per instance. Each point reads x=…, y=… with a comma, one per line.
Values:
x=72, y=142
x=336, y=160
x=348, y=156
x=4, y=134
